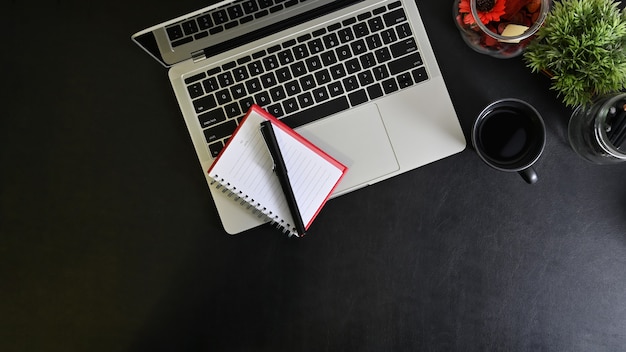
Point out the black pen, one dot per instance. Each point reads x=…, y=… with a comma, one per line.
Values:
x=281, y=172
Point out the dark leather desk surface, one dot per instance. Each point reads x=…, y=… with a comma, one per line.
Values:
x=110, y=240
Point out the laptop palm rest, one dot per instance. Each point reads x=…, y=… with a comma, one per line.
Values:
x=357, y=139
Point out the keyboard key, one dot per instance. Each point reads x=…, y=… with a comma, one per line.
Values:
x=290, y=105
x=225, y=79
x=240, y=73
x=227, y=66
x=319, y=32
x=283, y=74
x=353, y=66
x=376, y=24
x=220, y=17
x=367, y=60
x=405, y=80
x=304, y=38
x=420, y=74
x=246, y=103
x=328, y=58
x=394, y=17
x=390, y=85
x=276, y=8
x=365, y=78
x=175, y=32
x=194, y=78
x=250, y=7
x=223, y=97
x=364, y=16
x=331, y=40
x=268, y=80
x=278, y=93
x=215, y=148
x=333, y=27
x=246, y=19
x=201, y=35
x=380, y=72
x=375, y=91
x=264, y=4
x=316, y=46
x=405, y=63
x=298, y=69
x=358, y=47
x=289, y=43
x=182, y=41
x=388, y=36
x=403, y=47
x=307, y=82
x=343, y=52
x=360, y=30
x=262, y=98
x=285, y=57
x=216, y=30
x=345, y=35
x=305, y=100
x=204, y=104
x=195, y=90
x=270, y=62
x=327, y=108
x=404, y=30
x=220, y=131
x=350, y=83
x=273, y=49
x=235, y=11
x=210, y=84
x=313, y=63
x=300, y=52
x=358, y=97
x=232, y=110
x=211, y=118
x=231, y=24
x=383, y=54
x=238, y=91
x=338, y=71
x=373, y=41
x=292, y=88
x=276, y=110
x=190, y=27
x=322, y=77
x=253, y=85
x=204, y=22
x=320, y=94
x=255, y=68
x=335, y=89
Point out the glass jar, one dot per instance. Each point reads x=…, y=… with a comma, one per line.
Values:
x=597, y=131
x=505, y=30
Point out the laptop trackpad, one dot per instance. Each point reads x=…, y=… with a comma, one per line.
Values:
x=358, y=139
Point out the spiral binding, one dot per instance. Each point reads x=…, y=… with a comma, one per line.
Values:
x=249, y=204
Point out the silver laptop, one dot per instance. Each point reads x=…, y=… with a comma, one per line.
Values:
x=357, y=78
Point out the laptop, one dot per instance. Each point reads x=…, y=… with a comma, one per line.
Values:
x=358, y=78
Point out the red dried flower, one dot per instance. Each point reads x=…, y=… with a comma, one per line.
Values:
x=485, y=16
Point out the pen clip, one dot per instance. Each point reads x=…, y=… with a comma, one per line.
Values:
x=263, y=126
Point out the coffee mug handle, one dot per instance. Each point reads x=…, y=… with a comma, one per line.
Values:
x=529, y=175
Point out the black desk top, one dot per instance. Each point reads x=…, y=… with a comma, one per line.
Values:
x=110, y=240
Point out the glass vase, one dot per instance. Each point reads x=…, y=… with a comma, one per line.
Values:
x=505, y=30
x=597, y=132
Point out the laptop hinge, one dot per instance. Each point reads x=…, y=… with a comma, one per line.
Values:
x=198, y=55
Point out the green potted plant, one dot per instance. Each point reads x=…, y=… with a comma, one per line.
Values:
x=582, y=47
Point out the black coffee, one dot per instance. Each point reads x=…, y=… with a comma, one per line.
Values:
x=505, y=135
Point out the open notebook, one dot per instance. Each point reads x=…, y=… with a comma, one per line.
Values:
x=244, y=170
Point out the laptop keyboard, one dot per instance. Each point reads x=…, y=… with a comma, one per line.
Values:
x=330, y=70
x=224, y=18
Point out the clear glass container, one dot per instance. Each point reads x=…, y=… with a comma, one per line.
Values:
x=493, y=38
x=597, y=131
